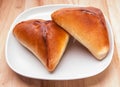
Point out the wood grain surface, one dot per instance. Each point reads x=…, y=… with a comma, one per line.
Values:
x=9, y=9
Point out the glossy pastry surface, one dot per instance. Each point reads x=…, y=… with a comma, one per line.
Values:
x=87, y=25
x=45, y=39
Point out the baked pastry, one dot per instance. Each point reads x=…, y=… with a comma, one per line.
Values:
x=87, y=25
x=45, y=39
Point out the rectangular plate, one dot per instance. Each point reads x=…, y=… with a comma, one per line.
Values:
x=76, y=63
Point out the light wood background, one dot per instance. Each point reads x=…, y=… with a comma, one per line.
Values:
x=9, y=9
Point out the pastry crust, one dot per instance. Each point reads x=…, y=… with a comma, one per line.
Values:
x=87, y=25
x=45, y=39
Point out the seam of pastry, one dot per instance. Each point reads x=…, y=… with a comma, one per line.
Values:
x=97, y=15
x=48, y=58
x=44, y=35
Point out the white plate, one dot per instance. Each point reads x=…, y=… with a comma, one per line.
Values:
x=76, y=63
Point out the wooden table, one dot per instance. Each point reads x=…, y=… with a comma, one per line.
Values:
x=9, y=9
